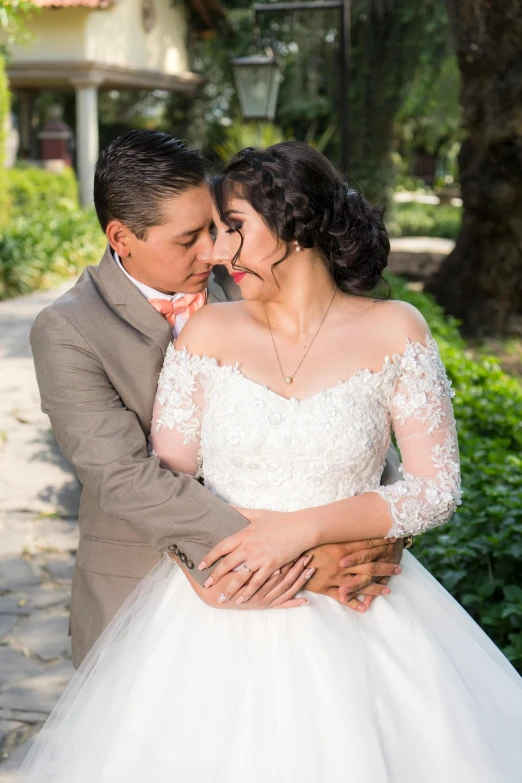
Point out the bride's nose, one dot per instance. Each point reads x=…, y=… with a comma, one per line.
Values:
x=222, y=252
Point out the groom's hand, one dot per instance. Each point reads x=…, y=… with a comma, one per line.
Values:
x=345, y=571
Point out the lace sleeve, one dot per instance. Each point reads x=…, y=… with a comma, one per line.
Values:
x=424, y=425
x=178, y=408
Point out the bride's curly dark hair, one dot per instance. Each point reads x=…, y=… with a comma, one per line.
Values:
x=302, y=197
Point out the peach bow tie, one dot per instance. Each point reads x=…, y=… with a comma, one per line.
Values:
x=178, y=312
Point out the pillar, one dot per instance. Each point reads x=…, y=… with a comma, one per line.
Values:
x=87, y=141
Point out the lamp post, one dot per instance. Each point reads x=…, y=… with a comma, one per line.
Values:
x=257, y=80
x=257, y=77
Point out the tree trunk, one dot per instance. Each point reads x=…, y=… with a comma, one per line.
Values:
x=481, y=281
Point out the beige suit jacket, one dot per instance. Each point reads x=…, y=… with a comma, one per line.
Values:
x=98, y=352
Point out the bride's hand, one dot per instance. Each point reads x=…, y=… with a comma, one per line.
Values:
x=272, y=540
x=279, y=592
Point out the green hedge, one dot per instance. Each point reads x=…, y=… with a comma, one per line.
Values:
x=4, y=109
x=39, y=250
x=34, y=189
x=48, y=237
x=424, y=220
x=478, y=555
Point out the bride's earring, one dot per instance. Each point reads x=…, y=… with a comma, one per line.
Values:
x=298, y=247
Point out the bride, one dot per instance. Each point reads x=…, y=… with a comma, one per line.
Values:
x=285, y=403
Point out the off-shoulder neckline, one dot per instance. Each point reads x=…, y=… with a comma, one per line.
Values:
x=396, y=359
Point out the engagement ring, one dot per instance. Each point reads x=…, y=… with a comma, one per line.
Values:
x=222, y=597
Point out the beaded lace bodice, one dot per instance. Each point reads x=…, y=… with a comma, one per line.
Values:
x=257, y=449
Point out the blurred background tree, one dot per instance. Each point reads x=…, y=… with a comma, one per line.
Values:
x=481, y=281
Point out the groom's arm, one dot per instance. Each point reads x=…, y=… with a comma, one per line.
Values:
x=107, y=447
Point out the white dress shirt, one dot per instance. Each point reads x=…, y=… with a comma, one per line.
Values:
x=150, y=293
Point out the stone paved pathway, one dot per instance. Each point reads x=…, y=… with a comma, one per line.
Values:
x=39, y=495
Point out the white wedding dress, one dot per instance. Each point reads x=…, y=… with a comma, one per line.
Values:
x=410, y=692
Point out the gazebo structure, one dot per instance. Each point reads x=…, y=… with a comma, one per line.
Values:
x=86, y=45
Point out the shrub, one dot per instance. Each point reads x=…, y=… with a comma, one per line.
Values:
x=477, y=556
x=412, y=219
x=4, y=109
x=37, y=251
x=33, y=189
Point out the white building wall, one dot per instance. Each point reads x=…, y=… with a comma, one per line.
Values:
x=58, y=35
x=117, y=37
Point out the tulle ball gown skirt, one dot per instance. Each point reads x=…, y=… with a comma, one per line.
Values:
x=176, y=692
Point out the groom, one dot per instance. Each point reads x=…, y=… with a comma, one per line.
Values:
x=98, y=352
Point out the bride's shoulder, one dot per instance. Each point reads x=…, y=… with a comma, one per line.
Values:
x=397, y=323
x=209, y=327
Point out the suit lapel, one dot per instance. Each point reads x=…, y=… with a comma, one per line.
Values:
x=129, y=302
x=124, y=298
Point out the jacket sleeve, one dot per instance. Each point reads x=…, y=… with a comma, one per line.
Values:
x=392, y=467
x=104, y=442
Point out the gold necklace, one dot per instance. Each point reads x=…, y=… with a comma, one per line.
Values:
x=290, y=378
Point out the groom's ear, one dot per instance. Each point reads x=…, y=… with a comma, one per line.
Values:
x=120, y=238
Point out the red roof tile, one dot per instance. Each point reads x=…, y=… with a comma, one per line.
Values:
x=73, y=3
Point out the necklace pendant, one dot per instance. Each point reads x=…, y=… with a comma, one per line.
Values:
x=288, y=380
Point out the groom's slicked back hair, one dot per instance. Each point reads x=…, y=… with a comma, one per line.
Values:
x=137, y=172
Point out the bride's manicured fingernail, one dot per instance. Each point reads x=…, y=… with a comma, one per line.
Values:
x=397, y=570
x=307, y=560
x=361, y=608
x=209, y=582
x=305, y=603
x=309, y=573
x=240, y=600
x=393, y=540
x=386, y=591
x=202, y=566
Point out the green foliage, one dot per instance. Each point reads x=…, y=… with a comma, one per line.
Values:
x=35, y=189
x=264, y=134
x=412, y=219
x=477, y=556
x=14, y=15
x=429, y=118
x=251, y=134
x=404, y=183
x=40, y=248
x=4, y=110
